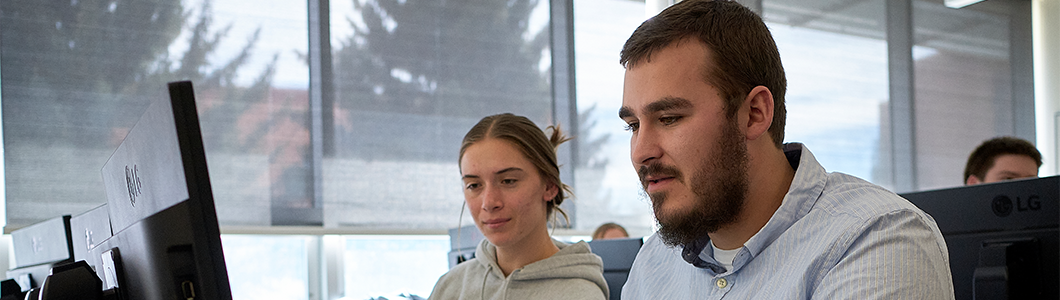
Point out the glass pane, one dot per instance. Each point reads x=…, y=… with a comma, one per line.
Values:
x=606, y=187
x=267, y=267
x=411, y=77
x=963, y=86
x=835, y=59
x=391, y=266
x=78, y=74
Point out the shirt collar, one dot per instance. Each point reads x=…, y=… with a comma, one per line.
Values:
x=805, y=189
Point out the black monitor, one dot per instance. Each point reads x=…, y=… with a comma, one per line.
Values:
x=618, y=256
x=37, y=248
x=1002, y=237
x=87, y=230
x=463, y=242
x=166, y=242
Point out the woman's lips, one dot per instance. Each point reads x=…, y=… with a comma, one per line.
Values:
x=496, y=222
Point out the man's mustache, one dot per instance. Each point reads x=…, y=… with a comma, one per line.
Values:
x=657, y=170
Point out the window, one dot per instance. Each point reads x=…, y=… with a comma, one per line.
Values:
x=391, y=266
x=606, y=186
x=410, y=79
x=835, y=59
x=970, y=70
x=78, y=74
x=267, y=267
x=377, y=151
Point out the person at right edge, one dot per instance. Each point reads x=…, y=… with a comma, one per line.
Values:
x=741, y=215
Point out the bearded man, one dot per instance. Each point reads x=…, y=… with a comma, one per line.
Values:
x=741, y=215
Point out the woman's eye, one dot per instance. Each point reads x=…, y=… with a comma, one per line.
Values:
x=632, y=127
x=508, y=181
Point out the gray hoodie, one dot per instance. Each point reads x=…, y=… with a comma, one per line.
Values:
x=572, y=273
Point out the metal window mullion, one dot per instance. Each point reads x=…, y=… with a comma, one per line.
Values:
x=321, y=91
x=902, y=94
x=1021, y=60
x=324, y=282
x=564, y=105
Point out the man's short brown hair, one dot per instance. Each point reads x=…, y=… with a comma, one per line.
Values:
x=745, y=55
x=982, y=158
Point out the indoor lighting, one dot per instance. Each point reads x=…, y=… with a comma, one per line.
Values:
x=960, y=3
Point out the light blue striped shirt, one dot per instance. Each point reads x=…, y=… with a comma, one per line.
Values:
x=835, y=236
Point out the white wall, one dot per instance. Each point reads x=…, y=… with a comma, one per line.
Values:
x=1046, y=19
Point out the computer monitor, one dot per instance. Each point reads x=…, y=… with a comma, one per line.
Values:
x=166, y=242
x=87, y=230
x=37, y=248
x=618, y=256
x=1002, y=237
x=463, y=242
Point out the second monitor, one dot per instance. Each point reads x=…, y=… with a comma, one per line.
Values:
x=1002, y=237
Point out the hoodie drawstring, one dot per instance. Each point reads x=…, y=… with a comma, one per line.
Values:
x=482, y=294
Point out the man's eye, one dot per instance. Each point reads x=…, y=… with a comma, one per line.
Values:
x=668, y=120
x=632, y=127
x=471, y=186
x=508, y=181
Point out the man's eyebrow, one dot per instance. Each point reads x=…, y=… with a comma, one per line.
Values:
x=664, y=104
x=667, y=103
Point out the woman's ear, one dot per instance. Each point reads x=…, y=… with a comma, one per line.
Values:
x=551, y=190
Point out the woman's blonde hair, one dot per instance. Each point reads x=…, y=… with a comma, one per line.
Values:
x=532, y=142
x=600, y=231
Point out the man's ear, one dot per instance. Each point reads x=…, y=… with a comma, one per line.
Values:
x=760, y=112
x=972, y=180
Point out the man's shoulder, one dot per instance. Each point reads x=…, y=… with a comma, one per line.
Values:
x=653, y=272
x=850, y=207
x=847, y=194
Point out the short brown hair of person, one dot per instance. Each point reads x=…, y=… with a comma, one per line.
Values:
x=745, y=54
x=982, y=158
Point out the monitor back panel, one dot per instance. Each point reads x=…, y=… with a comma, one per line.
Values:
x=973, y=216
x=1009, y=205
x=161, y=206
x=42, y=243
x=618, y=256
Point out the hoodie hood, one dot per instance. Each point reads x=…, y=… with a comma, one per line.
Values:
x=572, y=261
x=572, y=273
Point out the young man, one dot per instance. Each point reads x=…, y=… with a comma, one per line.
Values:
x=1002, y=158
x=742, y=216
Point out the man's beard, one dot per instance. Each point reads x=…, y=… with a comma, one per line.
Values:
x=719, y=188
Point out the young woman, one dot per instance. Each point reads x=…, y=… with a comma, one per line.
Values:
x=512, y=188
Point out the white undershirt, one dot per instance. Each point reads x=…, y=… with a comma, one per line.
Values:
x=725, y=257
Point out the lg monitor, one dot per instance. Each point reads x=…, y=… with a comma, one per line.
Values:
x=1002, y=237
